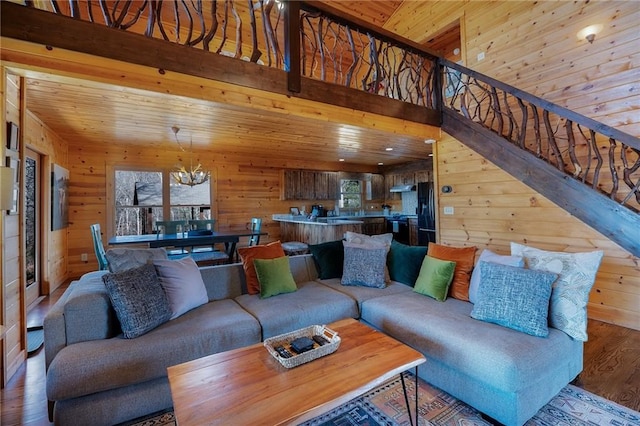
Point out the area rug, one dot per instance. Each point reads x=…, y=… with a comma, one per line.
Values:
x=385, y=406
x=35, y=339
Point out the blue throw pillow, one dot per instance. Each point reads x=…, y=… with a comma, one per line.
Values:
x=404, y=262
x=138, y=299
x=329, y=258
x=514, y=297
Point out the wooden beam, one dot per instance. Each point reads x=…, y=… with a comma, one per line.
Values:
x=292, y=45
x=600, y=212
x=54, y=31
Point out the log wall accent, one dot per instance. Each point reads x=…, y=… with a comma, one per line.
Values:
x=491, y=209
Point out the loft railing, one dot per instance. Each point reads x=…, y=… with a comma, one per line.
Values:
x=330, y=49
x=321, y=44
x=595, y=154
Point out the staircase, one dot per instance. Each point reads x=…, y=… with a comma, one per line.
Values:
x=589, y=169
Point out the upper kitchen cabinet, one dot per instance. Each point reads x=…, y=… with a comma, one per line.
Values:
x=326, y=185
x=375, y=187
x=309, y=185
x=424, y=176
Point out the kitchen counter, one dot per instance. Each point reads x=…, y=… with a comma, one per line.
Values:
x=321, y=221
x=298, y=228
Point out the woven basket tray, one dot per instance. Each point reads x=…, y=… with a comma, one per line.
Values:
x=316, y=352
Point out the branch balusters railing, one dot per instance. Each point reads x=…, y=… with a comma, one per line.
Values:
x=202, y=24
x=318, y=42
x=584, y=149
x=352, y=55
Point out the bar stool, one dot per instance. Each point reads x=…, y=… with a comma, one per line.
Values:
x=295, y=248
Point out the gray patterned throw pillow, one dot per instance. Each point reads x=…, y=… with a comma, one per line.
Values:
x=514, y=297
x=138, y=299
x=364, y=265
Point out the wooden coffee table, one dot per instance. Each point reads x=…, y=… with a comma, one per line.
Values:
x=247, y=386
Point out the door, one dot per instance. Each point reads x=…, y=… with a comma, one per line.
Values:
x=32, y=224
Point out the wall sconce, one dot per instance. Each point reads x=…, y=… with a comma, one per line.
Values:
x=589, y=33
x=6, y=188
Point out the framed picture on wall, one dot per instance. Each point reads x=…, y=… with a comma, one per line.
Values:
x=14, y=164
x=12, y=136
x=59, y=197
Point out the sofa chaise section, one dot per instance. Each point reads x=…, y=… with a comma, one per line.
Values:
x=506, y=374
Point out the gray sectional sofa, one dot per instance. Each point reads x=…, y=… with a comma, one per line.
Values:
x=94, y=376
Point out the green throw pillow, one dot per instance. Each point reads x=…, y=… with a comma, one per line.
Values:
x=274, y=276
x=404, y=262
x=435, y=278
x=329, y=258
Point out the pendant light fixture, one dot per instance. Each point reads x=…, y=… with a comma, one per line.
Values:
x=194, y=175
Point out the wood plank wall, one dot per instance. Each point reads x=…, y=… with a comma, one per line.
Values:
x=53, y=150
x=12, y=310
x=533, y=45
x=53, y=268
x=491, y=209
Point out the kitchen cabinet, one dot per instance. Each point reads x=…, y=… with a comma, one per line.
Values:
x=309, y=185
x=375, y=187
x=423, y=176
x=413, y=232
x=407, y=178
x=374, y=226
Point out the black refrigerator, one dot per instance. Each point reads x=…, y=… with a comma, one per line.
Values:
x=426, y=214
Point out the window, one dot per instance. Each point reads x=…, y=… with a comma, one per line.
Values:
x=144, y=197
x=350, y=194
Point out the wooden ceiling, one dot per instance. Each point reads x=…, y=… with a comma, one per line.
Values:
x=94, y=113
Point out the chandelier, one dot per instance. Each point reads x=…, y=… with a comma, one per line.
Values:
x=192, y=176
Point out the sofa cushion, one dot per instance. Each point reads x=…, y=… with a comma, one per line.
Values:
x=404, y=262
x=138, y=299
x=313, y=303
x=570, y=293
x=121, y=259
x=514, y=297
x=182, y=283
x=113, y=363
x=248, y=254
x=499, y=357
x=360, y=293
x=464, y=258
x=364, y=265
x=274, y=276
x=489, y=256
x=435, y=278
x=329, y=258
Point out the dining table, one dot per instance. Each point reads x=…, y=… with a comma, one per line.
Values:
x=187, y=239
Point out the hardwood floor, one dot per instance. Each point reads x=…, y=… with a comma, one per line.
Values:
x=611, y=370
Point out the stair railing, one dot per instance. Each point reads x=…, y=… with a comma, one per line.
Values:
x=593, y=153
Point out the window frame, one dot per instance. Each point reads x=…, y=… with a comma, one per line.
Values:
x=166, y=192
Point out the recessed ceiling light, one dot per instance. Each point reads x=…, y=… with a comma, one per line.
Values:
x=389, y=149
x=342, y=159
x=380, y=164
x=429, y=141
x=430, y=155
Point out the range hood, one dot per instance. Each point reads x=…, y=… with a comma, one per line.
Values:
x=403, y=188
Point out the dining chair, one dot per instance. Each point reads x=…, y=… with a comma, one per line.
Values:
x=173, y=227
x=202, y=224
x=103, y=263
x=255, y=226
